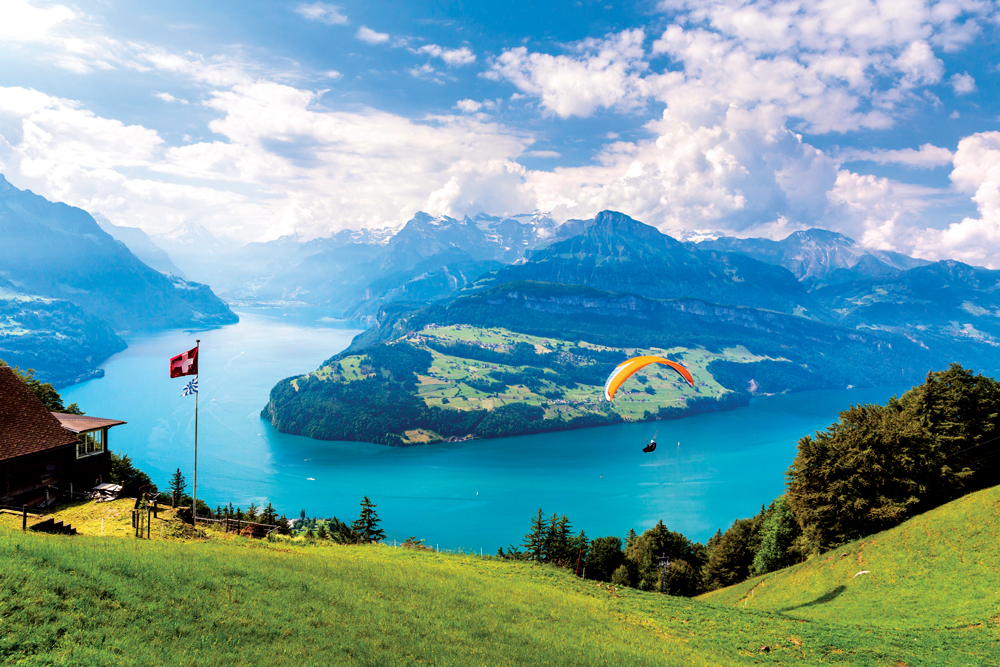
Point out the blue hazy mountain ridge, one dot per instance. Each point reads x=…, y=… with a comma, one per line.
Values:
x=818, y=257
x=55, y=337
x=616, y=253
x=946, y=305
x=355, y=272
x=196, y=250
x=289, y=269
x=432, y=258
x=58, y=251
x=139, y=243
x=433, y=279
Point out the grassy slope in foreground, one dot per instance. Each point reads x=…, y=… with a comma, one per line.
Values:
x=937, y=572
x=120, y=601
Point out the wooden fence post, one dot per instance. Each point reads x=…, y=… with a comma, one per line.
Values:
x=24, y=517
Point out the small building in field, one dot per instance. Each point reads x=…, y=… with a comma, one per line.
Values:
x=45, y=455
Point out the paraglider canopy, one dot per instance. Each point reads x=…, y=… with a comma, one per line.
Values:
x=626, y=369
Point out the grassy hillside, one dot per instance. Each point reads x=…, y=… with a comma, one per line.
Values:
x=937, y=572
x=119, y=601
x=461, y=375
x=455, y=382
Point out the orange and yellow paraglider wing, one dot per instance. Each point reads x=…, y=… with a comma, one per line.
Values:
x=626, y=369
x=684, y=373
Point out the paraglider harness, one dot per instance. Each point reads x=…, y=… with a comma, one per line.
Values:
x=650, y=446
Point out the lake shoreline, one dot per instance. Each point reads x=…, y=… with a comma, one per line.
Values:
x=473, y=494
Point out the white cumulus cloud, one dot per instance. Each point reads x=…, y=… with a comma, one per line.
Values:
x=322, y=12
x=453, y=57
x=366, y=34
x=601, y=73
x=927, y=156
x=468, y=106
x=963, y=84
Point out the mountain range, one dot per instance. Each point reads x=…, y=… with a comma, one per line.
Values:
x=817, y=257
x=817, y=274
x=618, y=254
x=69, y=285
x=814, y=311
x=945, y=307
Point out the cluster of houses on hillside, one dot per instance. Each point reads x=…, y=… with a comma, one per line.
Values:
x=45, y=456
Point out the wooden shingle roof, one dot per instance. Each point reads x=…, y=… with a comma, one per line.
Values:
x=26, y=427
x=81, y=423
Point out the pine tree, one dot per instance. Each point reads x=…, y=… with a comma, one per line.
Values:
x=321, y=533
x=557, y=542
x=177, y=484
x=366, y=525
x=536, y=539
x=269, y=515
x=630, y=538
x=252, y=512
x=734, y=553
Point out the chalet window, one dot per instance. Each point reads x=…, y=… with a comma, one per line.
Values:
x=91, y=442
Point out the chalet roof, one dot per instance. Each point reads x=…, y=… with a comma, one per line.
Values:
x=81, y=423
x=26, y=427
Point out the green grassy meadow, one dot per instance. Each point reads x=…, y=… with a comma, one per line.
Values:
x=939, y=571
x=931, y=598
x=446, y=383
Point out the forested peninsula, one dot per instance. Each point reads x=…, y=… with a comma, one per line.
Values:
x=530, y=357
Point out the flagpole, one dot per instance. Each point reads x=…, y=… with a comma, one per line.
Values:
x=194, y=494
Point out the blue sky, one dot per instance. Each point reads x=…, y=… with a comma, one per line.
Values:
x=876, y=119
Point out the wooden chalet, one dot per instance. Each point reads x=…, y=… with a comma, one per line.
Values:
x=45, y=455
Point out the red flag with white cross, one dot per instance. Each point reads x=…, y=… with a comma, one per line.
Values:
x=184, y=364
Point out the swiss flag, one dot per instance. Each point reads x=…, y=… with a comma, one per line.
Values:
x=184, y=364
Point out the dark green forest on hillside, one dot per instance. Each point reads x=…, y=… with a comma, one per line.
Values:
x=873, y=469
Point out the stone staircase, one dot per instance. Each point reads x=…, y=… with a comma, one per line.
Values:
x=53, y=527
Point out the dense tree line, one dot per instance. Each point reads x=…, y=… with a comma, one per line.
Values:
x=877, y=466
x=881, y=464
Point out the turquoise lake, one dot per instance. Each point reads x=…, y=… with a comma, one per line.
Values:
x=707, y=471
